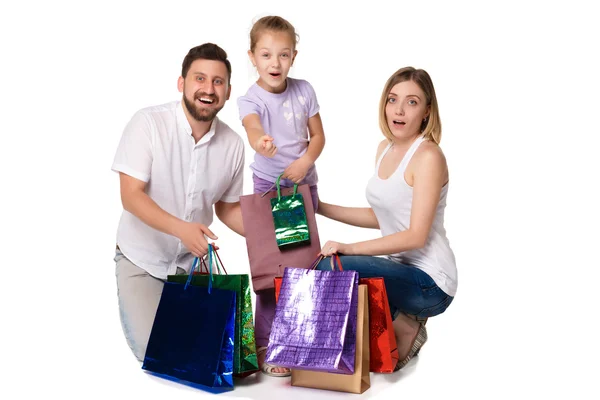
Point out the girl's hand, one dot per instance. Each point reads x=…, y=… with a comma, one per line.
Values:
x=265, y=146
x=332, y=247
x=297, y=170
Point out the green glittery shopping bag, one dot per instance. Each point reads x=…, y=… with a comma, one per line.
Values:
x=289, y=218
x=245, y=362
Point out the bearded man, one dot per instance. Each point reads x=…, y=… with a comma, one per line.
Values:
x=175, y=162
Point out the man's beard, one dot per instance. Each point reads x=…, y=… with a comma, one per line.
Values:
x=199, y=113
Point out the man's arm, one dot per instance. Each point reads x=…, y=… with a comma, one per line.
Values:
x=136, y=201
x=231, y=215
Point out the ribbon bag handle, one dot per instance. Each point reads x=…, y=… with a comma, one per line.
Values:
x=218, y=262
x=335, y=259
x=194, y=265
x=203, y=267
x=315, y=263
x=279, y=188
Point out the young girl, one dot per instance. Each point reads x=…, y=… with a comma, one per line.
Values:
x=279, y=114
x=407, y=194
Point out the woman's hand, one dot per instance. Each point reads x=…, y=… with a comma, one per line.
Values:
x=332, y=247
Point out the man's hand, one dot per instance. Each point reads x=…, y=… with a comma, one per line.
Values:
x=192, y=236
x=264, y=145
x=297, y=170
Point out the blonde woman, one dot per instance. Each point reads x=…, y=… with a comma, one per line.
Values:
x=407, y=194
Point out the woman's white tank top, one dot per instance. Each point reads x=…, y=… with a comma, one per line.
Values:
x=391, y=201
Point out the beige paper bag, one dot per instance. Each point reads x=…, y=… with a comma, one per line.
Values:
x=360, y=380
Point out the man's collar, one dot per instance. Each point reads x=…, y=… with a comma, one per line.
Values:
x=183, y=121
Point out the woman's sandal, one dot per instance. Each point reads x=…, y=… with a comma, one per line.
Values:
x=420, y=340
x=269, y=369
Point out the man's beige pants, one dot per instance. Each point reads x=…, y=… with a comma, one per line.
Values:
x=139, y=294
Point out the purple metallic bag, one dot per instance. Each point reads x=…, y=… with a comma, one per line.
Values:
x=315, y=321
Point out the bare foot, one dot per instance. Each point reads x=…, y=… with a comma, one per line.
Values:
x=261, y=359
x=406, y=330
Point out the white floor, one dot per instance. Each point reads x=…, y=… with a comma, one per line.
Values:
x=481, y=357
x=463, y=358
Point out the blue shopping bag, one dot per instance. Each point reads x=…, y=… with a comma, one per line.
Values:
x=192, y=337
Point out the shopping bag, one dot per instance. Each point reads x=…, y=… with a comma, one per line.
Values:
x=267, y=260
x=289, y=218
x=384, y=350
x=360, y=380
x=315, y=321
x=192, y=335
x=382, y=339
x=244, y=361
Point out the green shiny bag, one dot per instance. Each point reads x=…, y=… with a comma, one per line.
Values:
x=245, y=361
x=289, y=218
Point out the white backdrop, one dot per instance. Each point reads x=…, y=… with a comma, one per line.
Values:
x=517, y=84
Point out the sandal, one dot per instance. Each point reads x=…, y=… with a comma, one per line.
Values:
x=269, y=369
x=420, y=340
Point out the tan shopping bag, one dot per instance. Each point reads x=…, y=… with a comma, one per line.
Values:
x=360, y=380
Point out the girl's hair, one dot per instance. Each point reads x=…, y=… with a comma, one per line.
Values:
x=271, y=23
x=432, y=126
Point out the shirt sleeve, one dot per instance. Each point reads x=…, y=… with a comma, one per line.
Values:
x=134, y=154
x=235, y=190
x=313, y=104
x=247, y=106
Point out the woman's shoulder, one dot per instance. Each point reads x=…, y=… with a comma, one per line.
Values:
x=380, y=148
x=430, y=153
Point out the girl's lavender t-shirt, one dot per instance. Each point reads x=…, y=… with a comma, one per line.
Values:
x=284, y=116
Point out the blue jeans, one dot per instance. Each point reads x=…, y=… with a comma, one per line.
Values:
x=409, y=289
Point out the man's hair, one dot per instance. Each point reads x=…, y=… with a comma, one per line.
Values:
x=206, y=51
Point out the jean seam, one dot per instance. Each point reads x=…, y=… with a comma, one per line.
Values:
x=442, y=305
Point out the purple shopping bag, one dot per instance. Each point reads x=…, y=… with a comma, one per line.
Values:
x=315, y=321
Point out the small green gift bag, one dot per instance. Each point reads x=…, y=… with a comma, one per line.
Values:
x=289, y=218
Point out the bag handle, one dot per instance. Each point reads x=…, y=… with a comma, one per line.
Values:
x=336, y=259
x=203, y=267
x=219, y=264
x=316, y=262
x=279, y=188
x=194, y=265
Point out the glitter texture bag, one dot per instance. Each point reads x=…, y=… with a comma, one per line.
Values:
x=382, y=339
x=315, y=321
x=289, y=218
